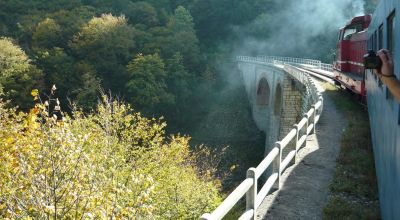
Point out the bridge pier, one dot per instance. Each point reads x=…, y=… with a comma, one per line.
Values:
x=276, y=99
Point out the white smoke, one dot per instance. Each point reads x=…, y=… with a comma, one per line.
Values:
x=358, y=8
x=294, y=28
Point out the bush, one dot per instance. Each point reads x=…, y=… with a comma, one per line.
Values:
x=113, y=163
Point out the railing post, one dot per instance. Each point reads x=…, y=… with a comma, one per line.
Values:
x=251, y=194
x=277, y=165
x=306, y=116
x=322, y=103
x=314, y=114
x=297, y=141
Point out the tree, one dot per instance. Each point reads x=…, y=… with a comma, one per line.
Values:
x=258, y=28
x=184, y=39
x=87, y=94
x=13, y=58
x=146, y=87
x=106, y=42
x=157, y=40
x=17, y=74
x=141, y=13
x=47, y=34
x=214, y=19
x=59, y=70
x=178, y=80
x=71, y=21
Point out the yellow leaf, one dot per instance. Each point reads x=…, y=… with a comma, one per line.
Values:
x=35, y=111
x=9, y=140
x=35, y=93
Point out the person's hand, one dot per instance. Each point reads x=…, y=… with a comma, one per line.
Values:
x=387, y=68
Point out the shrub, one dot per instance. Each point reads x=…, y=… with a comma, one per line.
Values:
x=113, y=163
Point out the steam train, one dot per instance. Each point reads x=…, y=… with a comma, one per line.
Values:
x=362, y=33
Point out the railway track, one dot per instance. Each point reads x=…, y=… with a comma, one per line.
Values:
x=321, y=75
x=324, y=76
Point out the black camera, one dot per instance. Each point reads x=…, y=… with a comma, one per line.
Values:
x=372, y=61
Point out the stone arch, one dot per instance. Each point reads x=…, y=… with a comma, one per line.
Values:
x=278, y=100
x=263, y=92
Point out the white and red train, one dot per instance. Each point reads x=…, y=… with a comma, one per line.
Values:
x=348, y=68
x=362, y=33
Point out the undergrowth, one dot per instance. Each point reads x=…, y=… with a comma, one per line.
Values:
x=354, y=190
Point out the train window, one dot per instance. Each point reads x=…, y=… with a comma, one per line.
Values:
x=349, y=31
x=379, y=44
x=380, y=37
x=389, y=95
x=380, y=83
x=390, y=43
x=374, y=47
x=369, y=44
x=398, y=120
x=390, y=32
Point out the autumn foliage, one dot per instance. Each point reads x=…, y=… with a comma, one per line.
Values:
x=110, y=164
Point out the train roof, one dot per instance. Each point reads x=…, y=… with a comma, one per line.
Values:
x=364, y=18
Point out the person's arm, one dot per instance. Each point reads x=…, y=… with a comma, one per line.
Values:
x=386, y=73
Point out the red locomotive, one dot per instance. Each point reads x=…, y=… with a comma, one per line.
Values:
x=348, y=69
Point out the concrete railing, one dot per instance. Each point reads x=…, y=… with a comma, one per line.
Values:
x=298, y=135
x=327, y=67
x=312, y=94
x=288, y=60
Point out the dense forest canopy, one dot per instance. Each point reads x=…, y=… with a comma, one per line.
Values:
x=84, y=45
x=74, y=152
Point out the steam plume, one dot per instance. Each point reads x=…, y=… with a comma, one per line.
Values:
x=305, y=28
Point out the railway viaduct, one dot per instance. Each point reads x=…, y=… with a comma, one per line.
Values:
x=286, y=105
x=275, y=98
x=278, y=100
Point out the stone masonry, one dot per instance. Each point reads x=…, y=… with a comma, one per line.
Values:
x=292, y=100
x=275, y=121
x=291, y=113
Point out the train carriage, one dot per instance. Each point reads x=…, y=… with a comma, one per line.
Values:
x=384, y=110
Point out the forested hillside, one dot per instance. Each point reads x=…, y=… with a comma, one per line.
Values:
x=146, y=52
x=158, y=55
x=74, y=75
